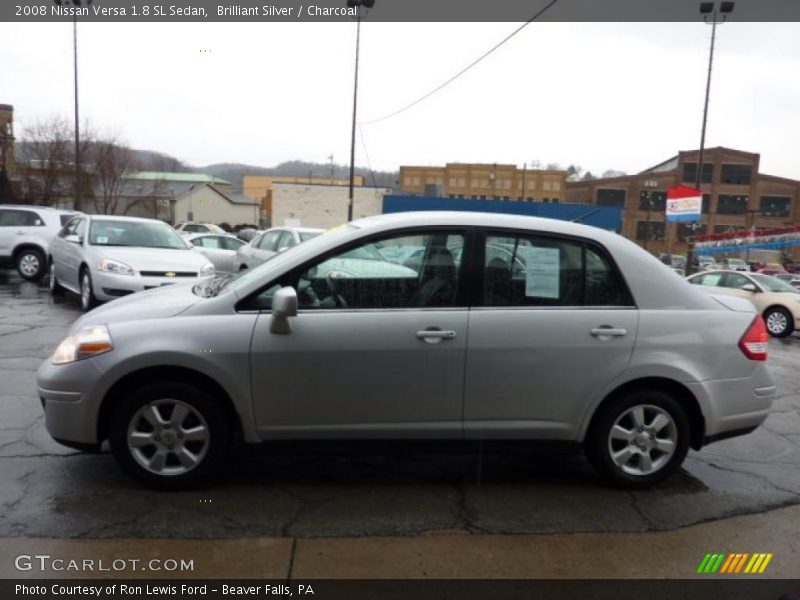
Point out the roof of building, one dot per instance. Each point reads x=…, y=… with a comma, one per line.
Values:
x=231, y=197
x=178, y=177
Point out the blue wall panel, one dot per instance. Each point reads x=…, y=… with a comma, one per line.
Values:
x=605, y=217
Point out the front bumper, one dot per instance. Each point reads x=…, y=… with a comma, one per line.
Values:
x=71, y=404
x=108, y=286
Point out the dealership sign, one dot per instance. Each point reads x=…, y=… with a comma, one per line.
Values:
x=684, y=203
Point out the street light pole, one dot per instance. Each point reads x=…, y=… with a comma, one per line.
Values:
x=650, y=184
x=78, y=204
x=357, y=4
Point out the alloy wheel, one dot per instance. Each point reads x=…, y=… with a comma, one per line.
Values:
x=777, y=322
x=642, y=440
x=29, y=264
x=168, y=437
x=86, y=291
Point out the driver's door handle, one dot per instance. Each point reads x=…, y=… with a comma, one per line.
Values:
x=609, y=332
x=434, y=336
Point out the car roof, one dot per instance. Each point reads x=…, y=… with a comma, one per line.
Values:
x=48, y=208
x=125, y=219
x=198, y=234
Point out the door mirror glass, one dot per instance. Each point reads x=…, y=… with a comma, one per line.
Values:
x=72, y=238
x=749, y=287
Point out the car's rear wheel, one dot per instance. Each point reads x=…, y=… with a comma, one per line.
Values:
x=638, y=438
x=55, y=288
x=779, y=321
x=31, y=264
x=169, y=435
x=88, y=301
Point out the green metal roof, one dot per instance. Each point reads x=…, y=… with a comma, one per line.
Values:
x=183, y=177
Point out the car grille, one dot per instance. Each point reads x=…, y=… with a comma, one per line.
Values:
x=168, y=274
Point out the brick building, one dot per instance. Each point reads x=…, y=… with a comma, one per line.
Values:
x=736, y=196
x=485, y=182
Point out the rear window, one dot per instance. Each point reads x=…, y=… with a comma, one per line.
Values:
x=65, y=218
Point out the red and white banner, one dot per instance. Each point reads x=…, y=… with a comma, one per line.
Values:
x=684, y=203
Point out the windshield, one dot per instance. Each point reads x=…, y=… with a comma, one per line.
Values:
x=773, y=284
x=141, y=234
x=735, y=261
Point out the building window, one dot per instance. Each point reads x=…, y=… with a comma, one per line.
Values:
x=775, y=206
x=606, y=197
x=706, y=203
x=736, y=174
x=554, y=200
x=690, y=172
x=685, y=231
x=505, y=197
x=729, y=204
x=650, y=230
x=453, y=182
x=556, y=186
x=658, y=201
x=546, y=186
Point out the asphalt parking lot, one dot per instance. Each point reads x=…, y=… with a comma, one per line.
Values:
x=48, y=490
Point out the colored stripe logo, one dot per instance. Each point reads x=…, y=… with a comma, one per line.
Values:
x=734, y=563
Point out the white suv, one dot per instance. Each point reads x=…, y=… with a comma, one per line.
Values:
x=25, y=233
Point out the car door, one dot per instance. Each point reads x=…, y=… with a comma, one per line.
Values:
x=72, y=253
x=16, y=224
x=7, y=232
x=376, y=350
x=553, y=323
x=733, y=284
x=266, y=247
x=232, y=245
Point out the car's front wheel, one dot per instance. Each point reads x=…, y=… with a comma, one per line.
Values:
x=779, y=322
x=169, y=435
x=638, y=438
x=31, y=264
x=56, y=288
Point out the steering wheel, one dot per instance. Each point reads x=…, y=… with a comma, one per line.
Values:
x=305, y=288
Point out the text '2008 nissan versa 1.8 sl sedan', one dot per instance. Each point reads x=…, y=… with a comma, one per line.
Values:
x=511, y=328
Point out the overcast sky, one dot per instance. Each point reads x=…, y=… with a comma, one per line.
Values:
x=603, y=95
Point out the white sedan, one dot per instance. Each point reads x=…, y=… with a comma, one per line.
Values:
x=220, y=249
x=270, y=243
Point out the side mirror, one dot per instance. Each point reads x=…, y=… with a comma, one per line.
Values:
x=73, y=239
x=283, y=249
x=749, y=287
x=284, y=306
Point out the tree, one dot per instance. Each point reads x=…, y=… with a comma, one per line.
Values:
x=614, y=173
x=107, y=162
x=47, y=167
x=574, y=172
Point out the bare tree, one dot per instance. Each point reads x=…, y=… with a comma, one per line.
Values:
x=108, y=161
x=46, y=168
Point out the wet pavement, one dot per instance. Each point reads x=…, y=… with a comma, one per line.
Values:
x=47, y=490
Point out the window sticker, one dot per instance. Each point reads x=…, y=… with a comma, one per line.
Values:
x=102, y=239
x=543, y=272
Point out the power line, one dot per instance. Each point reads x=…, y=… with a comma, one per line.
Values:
x=465, y=69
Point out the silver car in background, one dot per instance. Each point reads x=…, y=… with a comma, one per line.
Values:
x=220, y=249
x=569, y=334
x=271, y=243
x=104, y=257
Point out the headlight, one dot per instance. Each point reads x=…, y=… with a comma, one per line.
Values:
x=116, y=267
x=89, y=341
x=207, y=270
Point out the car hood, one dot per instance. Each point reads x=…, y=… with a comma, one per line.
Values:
x=157, y=303
x=154, y=259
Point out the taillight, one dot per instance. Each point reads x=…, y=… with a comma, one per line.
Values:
x=754, y=341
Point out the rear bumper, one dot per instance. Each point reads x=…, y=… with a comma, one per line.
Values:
x=733, y=407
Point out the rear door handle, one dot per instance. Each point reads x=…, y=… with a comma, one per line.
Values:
x=434, y=336
x=609, y=332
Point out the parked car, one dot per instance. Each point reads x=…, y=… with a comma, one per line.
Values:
x=776, y=300
x=677, y=262
x=792, y=279
x=772, y=269
x=707, y=263
x=190, y=227
x=25, y=234
x=103, y=257
x=218, y=248
x=297, y=353
x=247, y=234
x=735, y=264
x=272, y=242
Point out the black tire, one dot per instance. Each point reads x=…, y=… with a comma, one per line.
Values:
x=30, y=264
x=56, y=288
x=781, y=323
x=88, y=301
x=212, y=453
x=598, y=444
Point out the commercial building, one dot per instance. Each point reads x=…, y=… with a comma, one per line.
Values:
x=325, y=206
x=260, y=187
x=208, y=203
x=736, y=196
x=485, y=182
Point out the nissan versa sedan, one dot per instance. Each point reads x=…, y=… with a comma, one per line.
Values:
x=577, y=336
x=778, y=301
x=103, y=257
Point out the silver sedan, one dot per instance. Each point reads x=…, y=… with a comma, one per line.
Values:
x=220, y=249
x=104, y=257
x=271, y=243
x=573, y=335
